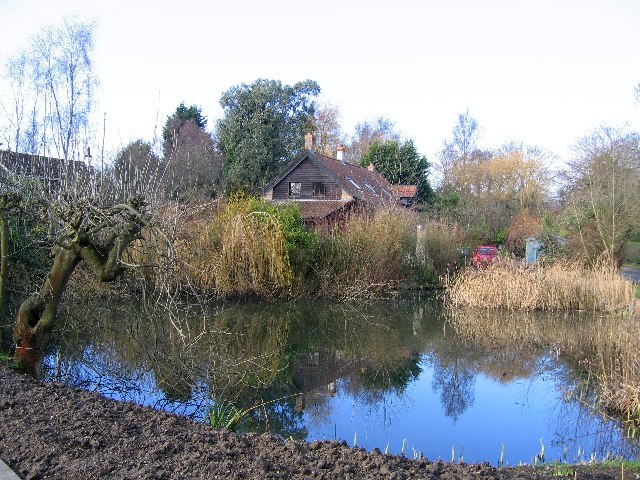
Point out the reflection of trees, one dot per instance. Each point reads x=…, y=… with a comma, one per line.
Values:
x=600, y=353
x=245, y=354
x=211, y=349
x=455, y=383
x=509, y=365
x=288, y=355
x=394, y=376
x=281, y=418
x=582, y=421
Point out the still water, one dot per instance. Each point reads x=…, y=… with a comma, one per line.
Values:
x=392, y=375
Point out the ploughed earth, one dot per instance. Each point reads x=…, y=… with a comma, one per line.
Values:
x=49, y=430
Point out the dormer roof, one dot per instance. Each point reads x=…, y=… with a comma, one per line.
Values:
x=358, y=182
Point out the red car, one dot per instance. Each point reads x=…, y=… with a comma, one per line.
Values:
x=483, y=255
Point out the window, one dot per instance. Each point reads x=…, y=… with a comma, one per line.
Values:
x=319, y=189
x=294, y=189
x=354, y=183
x=373, y=190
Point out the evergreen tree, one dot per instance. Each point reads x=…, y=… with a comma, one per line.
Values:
x=401, y=164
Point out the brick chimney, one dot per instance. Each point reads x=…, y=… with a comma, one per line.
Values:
x=308, y=141
x=340, y=153
x=371, y=168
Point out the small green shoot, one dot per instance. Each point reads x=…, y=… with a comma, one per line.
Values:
x=561, y=470
x=226, y=415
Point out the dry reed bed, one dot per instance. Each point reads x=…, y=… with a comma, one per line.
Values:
x=231, y=253
x=507, y=285
x=366, y=257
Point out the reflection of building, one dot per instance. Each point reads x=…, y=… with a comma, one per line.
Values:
x=316, y=370
x=317, y=374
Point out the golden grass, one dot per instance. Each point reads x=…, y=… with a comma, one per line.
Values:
x=563, y=285
x=615, y=363
x=253, y=258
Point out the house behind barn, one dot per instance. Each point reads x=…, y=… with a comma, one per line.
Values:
x=329, y=190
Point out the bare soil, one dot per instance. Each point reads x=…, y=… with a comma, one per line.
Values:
x=49, y=430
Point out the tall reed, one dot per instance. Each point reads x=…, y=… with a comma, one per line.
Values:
x=253, y=257
x=225, y=250
x=563, y=285
x=365, y=257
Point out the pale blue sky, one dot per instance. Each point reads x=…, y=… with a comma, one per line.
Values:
x=544, y=72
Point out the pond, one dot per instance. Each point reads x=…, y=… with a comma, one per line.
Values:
x=393, y=375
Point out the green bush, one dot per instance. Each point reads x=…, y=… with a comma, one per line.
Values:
x=500, y=237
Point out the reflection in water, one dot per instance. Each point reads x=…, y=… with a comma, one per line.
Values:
x=387, y=372
x=455, y=384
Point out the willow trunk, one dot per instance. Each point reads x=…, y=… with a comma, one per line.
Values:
x=37, y=314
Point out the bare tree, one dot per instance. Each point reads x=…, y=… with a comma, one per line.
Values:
x=16, y=77
x=366, y=133
x=461, y=148
x=53, y=85
x=137, y=171
x=95, y=235
x=326, y=129
x=192, y=165
x=601, y=191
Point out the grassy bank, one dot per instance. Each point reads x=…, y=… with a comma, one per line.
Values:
x=248, y=247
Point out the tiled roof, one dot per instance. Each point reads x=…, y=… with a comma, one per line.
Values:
x=405, y=191
x=359, y=182
x=319, y=208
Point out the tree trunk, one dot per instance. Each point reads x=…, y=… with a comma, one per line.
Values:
x=37, y=314
x=4, y=255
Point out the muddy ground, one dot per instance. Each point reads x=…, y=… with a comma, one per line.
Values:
x=48, y=430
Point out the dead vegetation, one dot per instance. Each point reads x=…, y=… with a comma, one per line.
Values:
x=562, y=285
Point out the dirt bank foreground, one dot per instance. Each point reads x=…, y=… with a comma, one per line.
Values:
x=52, y=431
